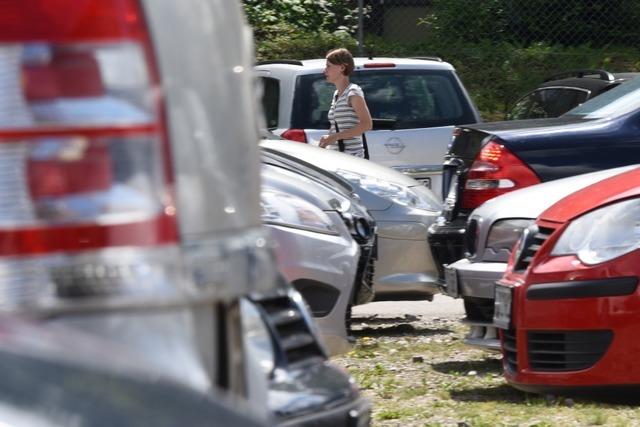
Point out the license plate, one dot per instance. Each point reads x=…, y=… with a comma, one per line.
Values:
x=502, y=307
x=451, y=280
x=426, y=181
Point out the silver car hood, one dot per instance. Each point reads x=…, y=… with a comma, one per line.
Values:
x=333, y=160
x=530, y=202
x=527, y=203
x=301, y=186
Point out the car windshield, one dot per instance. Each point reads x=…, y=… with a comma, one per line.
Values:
x=618, y=101
x=411, y=98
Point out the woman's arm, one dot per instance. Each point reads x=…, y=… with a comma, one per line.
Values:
x=364, y=123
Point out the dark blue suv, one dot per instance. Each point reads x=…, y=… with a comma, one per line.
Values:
x=486, y=160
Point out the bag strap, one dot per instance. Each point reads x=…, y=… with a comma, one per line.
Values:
x=365, y=146
x=335, y=124
x=340, y=141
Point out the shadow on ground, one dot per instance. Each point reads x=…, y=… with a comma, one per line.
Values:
x=482, y=367
x=398, y=330
x=501, y=393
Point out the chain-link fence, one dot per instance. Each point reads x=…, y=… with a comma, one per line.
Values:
x=500, y=48
x=568, y=22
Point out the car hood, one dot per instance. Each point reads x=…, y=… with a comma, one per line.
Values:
x=531, y=202
x=297, y=184
x=606, y=191
x=333, y=160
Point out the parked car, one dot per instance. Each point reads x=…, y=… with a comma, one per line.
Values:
x=311, y=225
x=568, y=302
x=414, y=103
x=561, y=92
x=130, y=198
x=492, y=231
x=52, y=376
x=403, y=210
x=490, y=159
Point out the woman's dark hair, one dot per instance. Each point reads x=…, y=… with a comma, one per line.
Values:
x=342, y=56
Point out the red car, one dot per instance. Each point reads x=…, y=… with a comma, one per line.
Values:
x=568, y=303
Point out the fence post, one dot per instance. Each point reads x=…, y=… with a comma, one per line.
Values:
x=360, y=28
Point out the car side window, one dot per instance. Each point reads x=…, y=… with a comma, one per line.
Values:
x=547, y=102
x=271, y=100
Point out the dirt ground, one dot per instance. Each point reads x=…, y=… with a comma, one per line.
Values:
x=417, y=372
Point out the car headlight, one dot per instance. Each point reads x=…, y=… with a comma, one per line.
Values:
x=603, y=234
x=256, y=338
x=505, y=233
x=279, y=208
x=400, y=194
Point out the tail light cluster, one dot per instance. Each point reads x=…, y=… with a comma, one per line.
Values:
x=85, y=181
x=296, y=135
x=495, y=171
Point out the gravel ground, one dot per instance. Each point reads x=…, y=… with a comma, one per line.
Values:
x=412, y=364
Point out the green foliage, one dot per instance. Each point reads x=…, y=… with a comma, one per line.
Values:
x=287, y=43
x=500, y=50
x=328, y=16
x=497, y=73
x=300, y=29
x=523, y=22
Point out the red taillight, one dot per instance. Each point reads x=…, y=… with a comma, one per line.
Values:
x=86, y=175
x=297, y=135
x=495, y=171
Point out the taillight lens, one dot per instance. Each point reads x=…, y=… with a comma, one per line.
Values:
x=297, y=135
x=494, y=172
x=85, y=181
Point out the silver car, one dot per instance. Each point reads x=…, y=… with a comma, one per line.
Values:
x=403, y=210
x=492, y=231
x=314, y=247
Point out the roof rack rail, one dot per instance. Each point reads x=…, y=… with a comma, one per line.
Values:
x=428, y=58
x=280, y=61
x=602, y=75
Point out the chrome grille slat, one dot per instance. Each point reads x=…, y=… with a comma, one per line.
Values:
x=533, y=243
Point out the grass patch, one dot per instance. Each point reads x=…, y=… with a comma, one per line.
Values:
x=456, y=385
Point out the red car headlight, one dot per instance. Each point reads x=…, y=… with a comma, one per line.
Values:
x=603, y=234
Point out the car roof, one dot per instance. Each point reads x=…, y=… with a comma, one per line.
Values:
x=316, y=65
x=589, y=82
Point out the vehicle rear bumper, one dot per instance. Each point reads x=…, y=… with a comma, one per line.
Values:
x=447, y=243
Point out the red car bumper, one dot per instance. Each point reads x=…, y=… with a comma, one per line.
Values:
x=574, y=327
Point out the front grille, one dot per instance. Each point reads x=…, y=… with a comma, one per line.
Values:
x=366, y=269
x=510, y=350
x=534, y=237
x=566, y=350
x=294, y=341
x=471, y=237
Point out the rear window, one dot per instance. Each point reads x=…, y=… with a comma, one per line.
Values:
x=548, y=102
x=413, y=98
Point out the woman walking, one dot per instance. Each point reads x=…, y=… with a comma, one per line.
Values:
x=349, y=115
